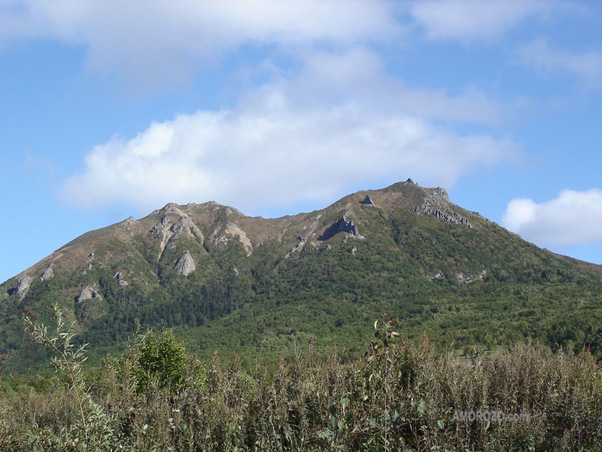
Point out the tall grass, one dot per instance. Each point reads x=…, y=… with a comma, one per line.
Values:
x=400, y=396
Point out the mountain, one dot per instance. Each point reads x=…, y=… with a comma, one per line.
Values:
x=264, y=287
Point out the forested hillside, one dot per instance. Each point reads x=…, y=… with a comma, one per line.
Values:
x=264, y=287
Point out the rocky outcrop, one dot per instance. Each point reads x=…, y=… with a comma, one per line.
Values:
x=436, y=204
x=168, y=232
x=48, y=273
x=343, y=225
x=185, y=265
x=119, y=277
x=185, y=227
x=446, y=215
x=23, y=285
x=232, y=230
x=88, y=293
x=368, y=201
x=159, y=229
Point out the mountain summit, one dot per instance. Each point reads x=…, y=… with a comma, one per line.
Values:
x=327, y=273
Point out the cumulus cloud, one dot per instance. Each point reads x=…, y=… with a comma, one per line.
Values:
x=341, y=122
x=476, y=19
x=587, y=65
x=573, y=218
x=161, y=41
x=270, y=152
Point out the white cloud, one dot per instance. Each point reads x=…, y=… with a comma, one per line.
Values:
x=341, y=122
x=273, y=150
x=573, y=218
x=161, y=41
x=587, y=66
x=360, y=75
x=476, y=19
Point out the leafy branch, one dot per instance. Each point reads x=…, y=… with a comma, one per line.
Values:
x=67, y=359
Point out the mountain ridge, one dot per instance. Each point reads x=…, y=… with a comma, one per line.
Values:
x=404, y=248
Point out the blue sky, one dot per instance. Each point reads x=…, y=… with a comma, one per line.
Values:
x=110, y=109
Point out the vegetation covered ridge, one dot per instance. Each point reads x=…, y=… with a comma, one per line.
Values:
x=227, y=281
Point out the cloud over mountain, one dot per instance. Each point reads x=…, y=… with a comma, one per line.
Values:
x=303, y=139
x=573, y=218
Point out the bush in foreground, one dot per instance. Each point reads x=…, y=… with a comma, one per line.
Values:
x=399, y=396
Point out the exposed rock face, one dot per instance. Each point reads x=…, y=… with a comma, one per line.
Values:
x=184, y=227
x=368, y=201
x=185, y=265
x=233, y=230
x=343, y=225
x=436, y=204
x=88, y=293
x=23, y=285
x=48, y=273
x=467, y=279
x=160, y=227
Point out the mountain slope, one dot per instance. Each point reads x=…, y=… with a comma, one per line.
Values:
x=265, y=286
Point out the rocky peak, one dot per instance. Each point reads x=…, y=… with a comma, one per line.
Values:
x=171, y=208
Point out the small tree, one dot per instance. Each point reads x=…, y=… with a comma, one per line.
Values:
x=161, y=358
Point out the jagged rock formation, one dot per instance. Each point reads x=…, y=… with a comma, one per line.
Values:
x=368, y=201
x=185, y=265
x=169, y=232
x=343, y=225
x=436, y=204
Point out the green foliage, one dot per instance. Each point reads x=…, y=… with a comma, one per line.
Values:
x=401, y=395
x=161, y=358
x=92, y=429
